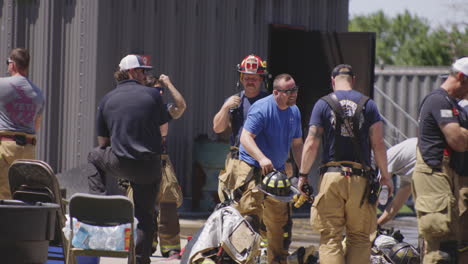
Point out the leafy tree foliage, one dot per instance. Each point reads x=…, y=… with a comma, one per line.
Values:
x=409, y=40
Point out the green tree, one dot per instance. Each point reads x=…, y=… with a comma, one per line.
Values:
x=408, y=39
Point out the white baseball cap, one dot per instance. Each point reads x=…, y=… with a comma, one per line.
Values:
x=461, y=65
x=133, y=61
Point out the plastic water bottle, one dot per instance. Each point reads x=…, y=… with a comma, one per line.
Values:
x=383, y=197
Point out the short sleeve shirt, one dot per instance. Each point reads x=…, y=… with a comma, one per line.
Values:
x=274, y=129
x=131, y=115
x=437, y=109
x=323, y=116
x=239, y=114
x=402, y=159
x=20, y=103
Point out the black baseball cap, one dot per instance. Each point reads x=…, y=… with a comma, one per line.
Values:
x=343, y=69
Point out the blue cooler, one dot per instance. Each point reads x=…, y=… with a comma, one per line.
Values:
x=58, y=252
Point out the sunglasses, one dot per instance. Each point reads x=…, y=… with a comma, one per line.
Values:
x=8, y=61
x=289, y=91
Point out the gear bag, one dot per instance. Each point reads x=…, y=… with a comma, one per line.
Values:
x=226, y=229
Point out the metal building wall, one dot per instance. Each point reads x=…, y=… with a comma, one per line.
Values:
x=398, y=93
x=76, y=46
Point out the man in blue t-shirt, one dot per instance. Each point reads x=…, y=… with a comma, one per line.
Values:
x=272, y=128
x=341, y=203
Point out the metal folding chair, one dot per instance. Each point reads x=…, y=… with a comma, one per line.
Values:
x=99, y=210
x=34, y=181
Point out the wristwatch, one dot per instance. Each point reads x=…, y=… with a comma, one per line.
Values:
x=303, y=175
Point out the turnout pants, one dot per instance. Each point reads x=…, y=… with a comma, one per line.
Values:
x=337, y=208
x=169, y=200
x=9, y=152
x=435, y=191
x=256, y=207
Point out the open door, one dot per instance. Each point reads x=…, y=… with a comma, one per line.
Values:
x=310, y=56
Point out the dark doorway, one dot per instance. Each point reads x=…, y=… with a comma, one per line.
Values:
x=309, y=56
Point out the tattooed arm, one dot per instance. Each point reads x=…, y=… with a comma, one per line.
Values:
x=311, y=146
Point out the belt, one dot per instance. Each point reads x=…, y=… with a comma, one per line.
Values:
x=351, y=164
x=345, y=171
x=19, y=139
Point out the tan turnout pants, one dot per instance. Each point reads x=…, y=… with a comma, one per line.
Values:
x=275, y=215
x=435, y=191
x=337, y=209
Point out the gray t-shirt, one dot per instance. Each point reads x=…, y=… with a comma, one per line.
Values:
x=401, y=160
x=20, y=103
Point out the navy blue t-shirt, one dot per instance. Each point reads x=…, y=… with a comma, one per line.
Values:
x=130, y=115
x=323, y=116
x=238, y=115
x=437, y=109
x=274, y=129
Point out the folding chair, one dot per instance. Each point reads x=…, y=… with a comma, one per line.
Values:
x=99, y=210
x=34, y=181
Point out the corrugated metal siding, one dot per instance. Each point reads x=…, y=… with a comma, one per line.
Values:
x=405, y=87
x=76, y=46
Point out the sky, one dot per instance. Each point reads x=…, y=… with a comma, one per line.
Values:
x=438, y=12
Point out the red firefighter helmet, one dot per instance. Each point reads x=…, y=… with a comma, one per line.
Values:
x=253, y=65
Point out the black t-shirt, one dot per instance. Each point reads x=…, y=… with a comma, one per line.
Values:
x=437, y=109
x=131, y=115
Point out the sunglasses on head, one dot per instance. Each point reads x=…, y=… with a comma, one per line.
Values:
x=289, y=91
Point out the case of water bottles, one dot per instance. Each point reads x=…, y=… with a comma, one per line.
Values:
x=99, y=237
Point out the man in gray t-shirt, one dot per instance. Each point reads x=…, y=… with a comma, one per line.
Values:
x=21, y=106
x=401, y=160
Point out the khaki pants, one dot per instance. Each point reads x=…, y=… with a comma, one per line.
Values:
x=435, y=192
x=275, y=215
x=336, y=208
x=9, y=152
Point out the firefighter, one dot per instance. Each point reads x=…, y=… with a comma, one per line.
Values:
x=170, y=197
x=350, y=125
x=442, y=140
x=252, y=73
x=272, y=127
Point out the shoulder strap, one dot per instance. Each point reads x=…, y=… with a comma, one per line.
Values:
x=232, y=110
x=357, y=114
x=333, y=102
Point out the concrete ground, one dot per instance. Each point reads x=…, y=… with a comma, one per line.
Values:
x=302, y=236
